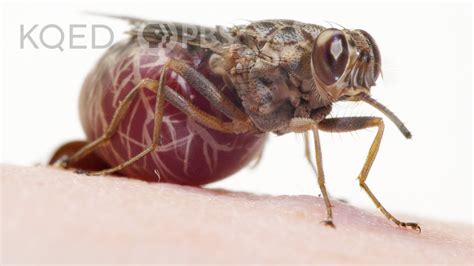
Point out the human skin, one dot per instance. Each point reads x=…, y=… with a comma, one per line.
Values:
x=56, y=216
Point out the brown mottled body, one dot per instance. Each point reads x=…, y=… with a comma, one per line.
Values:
x=269, y=63
x=286, y=74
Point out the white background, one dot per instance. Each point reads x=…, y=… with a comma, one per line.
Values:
x=427, y=63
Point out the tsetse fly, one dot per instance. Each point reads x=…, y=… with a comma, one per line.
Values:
x=194, y=104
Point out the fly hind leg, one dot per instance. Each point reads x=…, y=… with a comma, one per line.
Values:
x=240, y=122
x=153, y=85
x=158, y=119
x=347, y=124
x=111, y=129
x=207, y=89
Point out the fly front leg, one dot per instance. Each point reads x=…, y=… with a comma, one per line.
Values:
x=347, y=124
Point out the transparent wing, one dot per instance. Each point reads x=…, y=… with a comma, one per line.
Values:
x=155, y=31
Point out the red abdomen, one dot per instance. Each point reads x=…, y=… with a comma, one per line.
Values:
x=189, y=153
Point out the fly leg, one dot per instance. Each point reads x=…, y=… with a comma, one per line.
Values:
x=347, y=124
x=112, y=127
x=321, y=182
x=209, y=91
x=257, y=159
x=240, y=122
x=158, y=119
x=153, y=85
x=307, y=151
x=303, y=125
x=210, y=121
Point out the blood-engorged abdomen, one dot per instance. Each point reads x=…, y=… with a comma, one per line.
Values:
x=189, y=153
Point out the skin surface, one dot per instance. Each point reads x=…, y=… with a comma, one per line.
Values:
x=55, y=216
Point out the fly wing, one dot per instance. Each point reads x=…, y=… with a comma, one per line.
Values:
x=155, y=31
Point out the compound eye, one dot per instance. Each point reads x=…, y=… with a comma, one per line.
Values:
x=330, y=56
x=375, y=51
